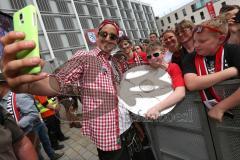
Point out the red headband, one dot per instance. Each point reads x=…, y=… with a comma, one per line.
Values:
x=107, y=21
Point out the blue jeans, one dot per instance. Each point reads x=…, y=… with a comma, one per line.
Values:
x=41, y=131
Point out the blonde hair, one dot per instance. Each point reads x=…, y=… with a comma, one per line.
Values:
x=184, y=24
x=219, y=23
x=154, y=46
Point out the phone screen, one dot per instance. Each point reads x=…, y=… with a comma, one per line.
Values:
x=6, y=25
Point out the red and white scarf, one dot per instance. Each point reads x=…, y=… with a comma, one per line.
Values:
x=201, y=68
x=12, y=106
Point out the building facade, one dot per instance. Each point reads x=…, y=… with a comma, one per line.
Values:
x=194, y=11
x=63, y=23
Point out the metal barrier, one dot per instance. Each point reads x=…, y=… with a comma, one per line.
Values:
x=187, y=133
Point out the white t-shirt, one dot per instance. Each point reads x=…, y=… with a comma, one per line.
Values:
x=168, y=56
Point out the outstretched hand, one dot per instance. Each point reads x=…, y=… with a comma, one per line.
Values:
x=13, y=43
x=216, y=113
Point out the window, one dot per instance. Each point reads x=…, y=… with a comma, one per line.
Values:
x=184, y=12
x=202, y=15
x=18, y=4
x=80, y=8
x=49, y=22
x=96, y=22
x=193, y=6
x=62, y=6
x=73, y=39
x=92, y=10
x=169, y=20
x=113, y=12
x=44, y=5
x=162, y=22
x=193, y=19
x=67, y=22
x=84, y=23
x=55, y=40
x=176, y=16
x=110, y=2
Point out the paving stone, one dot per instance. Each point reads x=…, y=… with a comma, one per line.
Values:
x=78, y=147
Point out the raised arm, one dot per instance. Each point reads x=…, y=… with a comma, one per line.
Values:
x=10, y=66
x=195, y=82
x=218, y=110
x=177, y=95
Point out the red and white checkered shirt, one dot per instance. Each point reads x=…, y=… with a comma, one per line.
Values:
x=90, y=75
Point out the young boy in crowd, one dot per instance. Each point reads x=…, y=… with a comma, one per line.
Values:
x=231, y=12
x=213, y=62
x=156, y=59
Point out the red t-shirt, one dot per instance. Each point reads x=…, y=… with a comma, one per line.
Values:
x=176, y=75
x=138, y=58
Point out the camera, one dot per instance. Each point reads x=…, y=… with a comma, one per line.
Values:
x=21, y=17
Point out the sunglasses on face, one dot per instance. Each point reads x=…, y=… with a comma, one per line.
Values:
x=200, y=28
x=104, y=35
x=154, y=55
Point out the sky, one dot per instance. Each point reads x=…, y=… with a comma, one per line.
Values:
x=163, y=7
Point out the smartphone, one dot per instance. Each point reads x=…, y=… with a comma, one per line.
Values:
x=6, y=25
x=237, y=17
x=25, y=20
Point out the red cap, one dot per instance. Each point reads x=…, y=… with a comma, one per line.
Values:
x=107, y=21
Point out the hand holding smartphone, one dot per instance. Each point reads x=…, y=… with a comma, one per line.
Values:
x=25, y=20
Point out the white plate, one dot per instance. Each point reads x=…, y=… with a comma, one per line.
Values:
x=142, y=87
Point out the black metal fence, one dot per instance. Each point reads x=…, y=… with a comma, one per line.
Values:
x=187, y=133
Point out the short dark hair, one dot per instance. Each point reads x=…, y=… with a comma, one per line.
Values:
x=169, y=31
x=227, y=8
x=153, y=33
x=146, y=41
x=124, y=38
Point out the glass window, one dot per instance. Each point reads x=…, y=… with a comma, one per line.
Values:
x=202, y=15
x=92, y=10
x=55, y=40
x=49, y=22
x=193, y=19
x=162, y=22
x=44, y=5
x=18, y=4
x=80, y=8
x=169, y=19
x=73, y=39
x=62, y=6
x=64, y=40
x=184, y=12
x=176, y=16
x=67, y=22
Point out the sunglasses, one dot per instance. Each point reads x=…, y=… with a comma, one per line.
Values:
x=104, y=35
x=200, y=28
x=154, y=55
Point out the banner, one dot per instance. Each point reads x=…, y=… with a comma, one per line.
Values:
x=211, y=9
x=91, y=36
